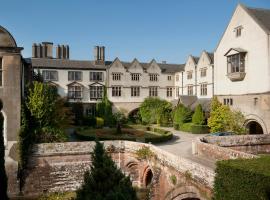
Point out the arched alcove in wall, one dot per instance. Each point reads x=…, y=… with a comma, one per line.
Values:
x=255, y=125
x=147, y=177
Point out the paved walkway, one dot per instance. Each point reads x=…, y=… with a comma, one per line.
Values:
x=181, y=145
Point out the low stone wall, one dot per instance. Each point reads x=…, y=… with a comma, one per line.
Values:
x=57, y=167
x=253, y=144
x=217, y=152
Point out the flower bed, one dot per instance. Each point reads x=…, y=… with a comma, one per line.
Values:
x=132, y=133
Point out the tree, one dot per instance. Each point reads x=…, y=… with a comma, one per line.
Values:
x=3, y=176
x=198, y=116
x=120, y=119
x=222, y=118
x=181, y=115
x=48, y=111
x=105, y=181
x=152, y=108
x=104, y=109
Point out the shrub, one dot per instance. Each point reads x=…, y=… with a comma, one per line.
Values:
x=155, y=110
x=242, y=179
x=199, y=129
x=222, y=118
x=104, y=109
x=99, y=122
x=181, y=115
x=186, y=127
x=198, y=116
x=173, y=179
x=50, y=134
x=97, y=185
x=77, y=110
x=89, y=121
x=145, y=153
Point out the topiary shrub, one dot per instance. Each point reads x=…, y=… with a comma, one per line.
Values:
x=186, y=127
x=199, y=129
x=241, y=179
x=99, y=122
x=198, y=116
x=181, y=115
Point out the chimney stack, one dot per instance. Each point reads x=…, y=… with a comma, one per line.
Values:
x=99, y=55
x=34, y=50
x=48, y=48
x=62, y=51
x=58, y=52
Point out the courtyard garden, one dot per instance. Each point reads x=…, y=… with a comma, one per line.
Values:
x=139, y=133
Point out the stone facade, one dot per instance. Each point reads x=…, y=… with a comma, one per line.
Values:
x=11, y=83
x=242, y=66
x=60, y=167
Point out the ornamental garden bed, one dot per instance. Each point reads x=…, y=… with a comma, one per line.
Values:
x=137, y=133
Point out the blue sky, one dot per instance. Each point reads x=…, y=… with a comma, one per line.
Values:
x=167, y=30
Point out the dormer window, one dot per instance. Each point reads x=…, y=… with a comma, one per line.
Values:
x=236, y=64
x=238, y=31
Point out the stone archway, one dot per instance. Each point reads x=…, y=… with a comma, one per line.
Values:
x=257, y=124
x=254, y=127
x=147, y=177
x=134, y=116
x=184, y=193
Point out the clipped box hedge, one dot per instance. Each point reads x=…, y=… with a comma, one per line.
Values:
x=243, y=179
x=199, y=129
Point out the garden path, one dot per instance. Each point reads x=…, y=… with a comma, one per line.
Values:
x=181, y=145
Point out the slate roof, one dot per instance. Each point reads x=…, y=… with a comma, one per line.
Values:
x=84, y=64
x=166, y=68
x=211, y=56
x=196, y=59
x=64, y=64
x=261, y=16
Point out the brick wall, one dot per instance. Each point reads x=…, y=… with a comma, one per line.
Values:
x=60, y=167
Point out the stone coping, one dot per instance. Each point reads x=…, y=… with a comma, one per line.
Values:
x=238, y=140
x=197, y=171
x=217, y=152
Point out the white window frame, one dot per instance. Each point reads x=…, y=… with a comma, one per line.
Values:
x=96, y=92
x=96, y=76
x=47, y=75
x=73, y=77
x=135, y=91
x=203, y=89
x=75, y=92
x=135, y=76
x=116, y=76
x=153, y=91
x=153, y=77
x=116, y=91
x=169, y=91
x=190, y=90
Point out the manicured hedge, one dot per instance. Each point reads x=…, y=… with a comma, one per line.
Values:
x=186, y=127
x=162, y=136
x=243, y=179
x=199, y=129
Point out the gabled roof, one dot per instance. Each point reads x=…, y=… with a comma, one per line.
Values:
x=165, y=68
x=196, y=59
x=75, y=83
x=238, y=50
x=211, y=56
x=261, y=16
